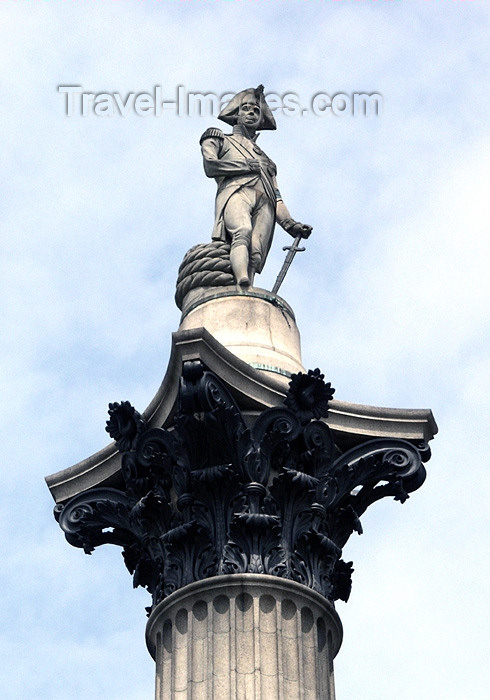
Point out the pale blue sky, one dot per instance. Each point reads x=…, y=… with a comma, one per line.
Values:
x=391, y=298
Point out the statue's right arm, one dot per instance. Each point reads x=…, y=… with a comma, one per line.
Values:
x=214, y=150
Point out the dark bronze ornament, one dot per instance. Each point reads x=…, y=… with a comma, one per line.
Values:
x=211, y=496
x=308, y=395
x=124, y=424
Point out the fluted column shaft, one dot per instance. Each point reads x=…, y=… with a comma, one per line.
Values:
x=244, y=637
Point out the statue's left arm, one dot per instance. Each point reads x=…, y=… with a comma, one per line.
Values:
x=285, y=220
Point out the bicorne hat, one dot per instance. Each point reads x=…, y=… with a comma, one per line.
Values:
x=229, y=114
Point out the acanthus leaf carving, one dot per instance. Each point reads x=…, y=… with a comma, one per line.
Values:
x=342, y=580
x=209, y=496
x=190, y=556
x=314, y=561
x=218, y=497
x=254, y=546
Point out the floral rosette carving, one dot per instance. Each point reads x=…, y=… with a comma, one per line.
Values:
x=309, y=395
x=124, y=424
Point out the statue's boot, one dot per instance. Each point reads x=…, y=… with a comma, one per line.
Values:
x=251, y=274
x=239, y=265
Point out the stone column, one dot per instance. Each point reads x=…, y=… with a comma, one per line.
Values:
x=244, y=637
x=237, y=530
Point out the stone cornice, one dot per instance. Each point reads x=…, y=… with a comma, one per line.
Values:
x=253, y=390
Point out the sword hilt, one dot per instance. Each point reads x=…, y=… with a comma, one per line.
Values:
x=292, y=247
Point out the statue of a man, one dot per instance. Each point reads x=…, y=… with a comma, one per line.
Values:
x=248, y=201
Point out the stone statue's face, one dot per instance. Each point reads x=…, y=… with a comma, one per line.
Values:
x=249, y=115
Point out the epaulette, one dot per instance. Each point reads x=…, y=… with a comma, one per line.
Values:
x=211, y=133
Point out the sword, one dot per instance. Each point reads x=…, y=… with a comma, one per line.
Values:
x=292, y=250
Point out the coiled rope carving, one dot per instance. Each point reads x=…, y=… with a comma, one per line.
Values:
x=204, y=265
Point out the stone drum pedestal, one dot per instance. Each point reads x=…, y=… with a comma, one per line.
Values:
x=256, y=326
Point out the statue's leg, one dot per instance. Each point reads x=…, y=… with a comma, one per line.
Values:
x=262, y=228
x=239, y=264
x=238, y=223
